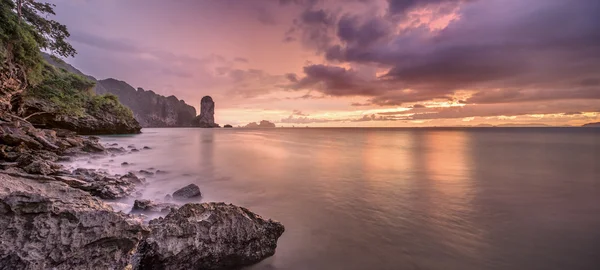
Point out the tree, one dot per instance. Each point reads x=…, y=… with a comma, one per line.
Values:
x=50, y=35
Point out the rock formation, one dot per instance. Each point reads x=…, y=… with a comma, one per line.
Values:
x=48, y=225
x=208, y=236
x=149, y=108
x=107, y=118
x=263, y=124
x=206, y=119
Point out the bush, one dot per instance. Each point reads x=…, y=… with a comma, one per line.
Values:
x=100, y=104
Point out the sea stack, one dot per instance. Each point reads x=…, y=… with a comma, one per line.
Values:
x=206, y=119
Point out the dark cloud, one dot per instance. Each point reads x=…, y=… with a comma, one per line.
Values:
x=418, y=106
x=292, y=77
x=402, y=6
x=351, y=30
x=507, y=50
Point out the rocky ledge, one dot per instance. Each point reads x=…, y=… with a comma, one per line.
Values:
x=48, y=225
x=53, y=218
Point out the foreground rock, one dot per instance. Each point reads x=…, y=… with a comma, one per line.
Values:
x=187, y=192
x=208, y=236
x=48, y=225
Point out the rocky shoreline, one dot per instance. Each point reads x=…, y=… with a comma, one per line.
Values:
x=56, y=218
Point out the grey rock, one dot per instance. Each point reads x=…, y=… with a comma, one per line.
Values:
x=208, y=236
x=144, y=172
x=48, y=225
x=148, y=207
x=187, y=192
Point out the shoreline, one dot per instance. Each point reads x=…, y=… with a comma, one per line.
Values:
x=43, y=201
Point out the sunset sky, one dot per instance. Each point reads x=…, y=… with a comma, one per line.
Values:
x=352, y=62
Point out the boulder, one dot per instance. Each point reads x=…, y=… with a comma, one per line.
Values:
x=148, y=207
x=48, y=225
x=208, y=236
x=187, y=192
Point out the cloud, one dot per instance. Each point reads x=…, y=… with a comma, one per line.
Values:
x=240, y=59
x=403, y=6
x=506, y=50
x=299, y=113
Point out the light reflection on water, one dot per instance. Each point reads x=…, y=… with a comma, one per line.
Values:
x=395, y=198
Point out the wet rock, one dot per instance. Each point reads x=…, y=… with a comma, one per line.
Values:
x=131, y=146
x=125, y=164
x=168, y=197
x=131, y=177
x=48, y=225
x=114, y=144
x=116, y=150
x=144, y=172
x=208, y=236
x=106, y=186
x=134, y=150
x=146, y=148
x=161, y=172
x=148, y=207
x=187, y=192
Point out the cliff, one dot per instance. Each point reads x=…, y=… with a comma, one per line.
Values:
x=149, y=108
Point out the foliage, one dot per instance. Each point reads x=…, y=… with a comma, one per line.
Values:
x=72, y=94
x=18, y=43
x=100, y=104
x=50, y=34
x=67, y=91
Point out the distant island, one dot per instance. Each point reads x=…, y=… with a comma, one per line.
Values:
x=263, y=124
x=596, y=124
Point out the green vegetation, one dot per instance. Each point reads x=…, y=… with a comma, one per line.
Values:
x=25, y=30
x=71, y=94
x=19, y=43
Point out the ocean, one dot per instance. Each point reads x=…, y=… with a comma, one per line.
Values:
x=377, y=198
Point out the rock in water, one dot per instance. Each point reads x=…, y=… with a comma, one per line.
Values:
x=148, y=206
x=48, y=225
x=206, y=119
x=187, y=192
x=208, y=236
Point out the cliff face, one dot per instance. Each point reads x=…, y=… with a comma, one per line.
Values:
x=206, y=119
x=149, y=108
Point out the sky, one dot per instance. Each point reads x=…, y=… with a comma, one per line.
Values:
x=352, y=62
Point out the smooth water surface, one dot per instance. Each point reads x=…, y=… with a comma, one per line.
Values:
x=490, y=198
